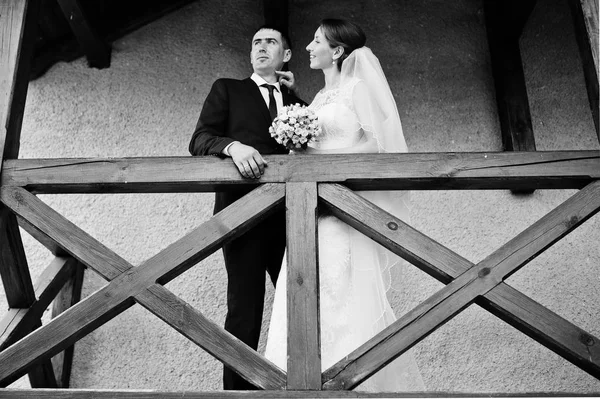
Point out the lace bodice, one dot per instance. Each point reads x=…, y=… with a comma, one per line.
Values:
x=340, y=127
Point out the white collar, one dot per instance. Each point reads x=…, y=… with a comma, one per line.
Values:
x=260, y=81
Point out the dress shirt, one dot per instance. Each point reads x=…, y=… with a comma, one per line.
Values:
x=265, y=94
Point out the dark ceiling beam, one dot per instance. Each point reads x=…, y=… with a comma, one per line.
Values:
x=505, y=21
x=585, y=20
x=96, y=50
x=507, y=69
x=276, y=13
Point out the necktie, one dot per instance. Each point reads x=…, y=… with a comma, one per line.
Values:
x=272, y=103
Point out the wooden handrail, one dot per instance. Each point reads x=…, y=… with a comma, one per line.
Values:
x=303, y=180
x=409, y=171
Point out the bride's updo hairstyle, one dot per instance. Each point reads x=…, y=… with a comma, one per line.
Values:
x=346, y=34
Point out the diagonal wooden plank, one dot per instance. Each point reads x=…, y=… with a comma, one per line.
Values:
x=117, y=296
x=13, y=263
x=303, y=343
x=19, y=322
x=212, y=338
x=510, y=305
x=422, y=171
x=505, y=302
x=67, y=297
x=554, y=225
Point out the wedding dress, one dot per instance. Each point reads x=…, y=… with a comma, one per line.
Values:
x=354, y=271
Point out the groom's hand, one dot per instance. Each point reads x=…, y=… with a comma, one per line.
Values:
x=248, y=161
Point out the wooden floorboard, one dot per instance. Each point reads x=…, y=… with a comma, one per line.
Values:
x=149, y=394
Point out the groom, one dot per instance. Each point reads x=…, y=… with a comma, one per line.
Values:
x=234, y=122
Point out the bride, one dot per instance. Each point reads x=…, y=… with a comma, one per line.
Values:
x=357, y=113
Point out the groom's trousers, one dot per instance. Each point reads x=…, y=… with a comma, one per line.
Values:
x=248, y=259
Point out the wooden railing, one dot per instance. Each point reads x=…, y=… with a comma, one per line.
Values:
x=301, y=184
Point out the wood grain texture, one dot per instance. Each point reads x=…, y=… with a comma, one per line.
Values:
x=67, y=297
x=117, y=296
x=14, y=269
x=212, y=338
x=304, y=353
x=585, y=20
x=18, y=19
x=460, y=292
x=58, y=229
x=510, y=305
x=147, y=394
x=414, y=171
x=19, y=322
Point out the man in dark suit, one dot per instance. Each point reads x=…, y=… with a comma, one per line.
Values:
x=234, y=123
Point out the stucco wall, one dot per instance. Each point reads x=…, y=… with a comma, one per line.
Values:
x=436, y=58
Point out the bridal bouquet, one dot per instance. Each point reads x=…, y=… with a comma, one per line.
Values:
x=295, y=126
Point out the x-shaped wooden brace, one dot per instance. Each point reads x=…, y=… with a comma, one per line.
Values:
x=467, y=283
x=142, y=284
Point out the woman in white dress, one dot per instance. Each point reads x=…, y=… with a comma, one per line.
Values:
x=357, y=114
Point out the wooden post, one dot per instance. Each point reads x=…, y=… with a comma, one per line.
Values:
x=504, y=26
x=304, y=358
x=18, y=19
x=585, y=20
x=504, y=23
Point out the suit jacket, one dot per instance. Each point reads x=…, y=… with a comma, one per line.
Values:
x=235, y=110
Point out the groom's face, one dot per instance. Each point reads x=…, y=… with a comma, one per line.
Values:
x=268, y=53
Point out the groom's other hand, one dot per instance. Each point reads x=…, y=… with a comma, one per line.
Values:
x=287, y=79
x=248, y=161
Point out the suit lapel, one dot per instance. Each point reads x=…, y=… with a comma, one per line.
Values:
x=258, y=99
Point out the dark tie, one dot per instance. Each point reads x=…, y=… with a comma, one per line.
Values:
x=272, y=103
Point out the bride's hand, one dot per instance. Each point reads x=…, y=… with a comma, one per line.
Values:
x=287, y=79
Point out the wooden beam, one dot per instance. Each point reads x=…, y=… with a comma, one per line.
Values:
x=504, y=301
x=303, y=343
x=147, y=394
x=18, y=19
x=412, y=171
x=585, y=21
x=19, y=322
x=211, y=337
x=42, y=375
x=276, y=13
x=507, y=71
x=13, y=263
x=67, y=297
x=462, y=291
x=510, y=305
x=50, y=245
x=96, y=50
x=126, y=285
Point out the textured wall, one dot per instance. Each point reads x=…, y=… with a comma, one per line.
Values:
x=436, y=58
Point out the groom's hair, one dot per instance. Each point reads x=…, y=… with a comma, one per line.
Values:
x=287, y=44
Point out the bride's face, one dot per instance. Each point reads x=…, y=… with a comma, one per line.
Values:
x=321, y=53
